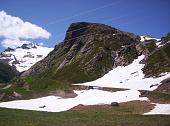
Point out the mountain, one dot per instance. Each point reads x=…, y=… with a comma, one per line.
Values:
x=25, y=56
x=88, y=51
x=93, y=51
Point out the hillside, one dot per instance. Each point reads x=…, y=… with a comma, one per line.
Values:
x=90, y=50
x=7, y=72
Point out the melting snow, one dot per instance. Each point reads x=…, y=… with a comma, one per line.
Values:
x=85, y=97
x=143, y=38
x=130, y=77
x=160, y=109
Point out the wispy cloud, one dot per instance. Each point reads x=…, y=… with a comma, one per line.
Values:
x=12, y=29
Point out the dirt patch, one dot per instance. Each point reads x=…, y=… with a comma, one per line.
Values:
x=82, y=87
x=132, y=107
x=90, y=107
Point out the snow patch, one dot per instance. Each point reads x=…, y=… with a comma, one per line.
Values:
x=160, y=109
x=143, y=38
x=85, y=97
x=129, y=77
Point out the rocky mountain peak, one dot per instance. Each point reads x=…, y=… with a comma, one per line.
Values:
x=85, y=28
x=92, y=49
x=9, y=49
x=28, y=46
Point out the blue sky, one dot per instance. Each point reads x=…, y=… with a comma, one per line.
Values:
x=149, y=17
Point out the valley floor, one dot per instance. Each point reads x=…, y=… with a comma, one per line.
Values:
x=130, y=79
x=100, y=117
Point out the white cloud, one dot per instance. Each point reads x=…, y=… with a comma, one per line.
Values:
x=13, y=27
x=13, y=43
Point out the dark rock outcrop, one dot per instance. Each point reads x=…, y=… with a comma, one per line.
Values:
x=114, y=104
x=9, y=49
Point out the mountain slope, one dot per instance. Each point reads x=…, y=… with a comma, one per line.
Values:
x=159, y=60
x=91, y=50
x=88, y=51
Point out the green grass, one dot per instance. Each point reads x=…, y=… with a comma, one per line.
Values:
x=158, y=97
x=159, y=58
x=19, y=90
x=9, y=117
x=34, y=86
x=71, y=73
x=45, y=84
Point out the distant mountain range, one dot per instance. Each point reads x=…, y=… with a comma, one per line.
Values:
x=25, y=56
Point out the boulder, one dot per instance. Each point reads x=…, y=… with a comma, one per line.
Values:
x=116, y=104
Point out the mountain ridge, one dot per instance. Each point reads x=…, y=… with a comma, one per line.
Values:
x=90, y=40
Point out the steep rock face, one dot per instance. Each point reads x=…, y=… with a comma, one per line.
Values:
x=88, y=51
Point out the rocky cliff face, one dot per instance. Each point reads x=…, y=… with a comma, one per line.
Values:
x=88, y=51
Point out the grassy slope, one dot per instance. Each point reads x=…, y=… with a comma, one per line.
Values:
x=157, y=97
x=100, y=117
x=37, y=87
x=158, y=62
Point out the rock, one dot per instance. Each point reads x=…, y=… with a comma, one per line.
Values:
x=15, y=94
x=90, y=87
x=42, y=106
x=116, y=104
x=9, y=49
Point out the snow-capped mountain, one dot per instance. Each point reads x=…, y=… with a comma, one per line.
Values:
x=25, y=56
